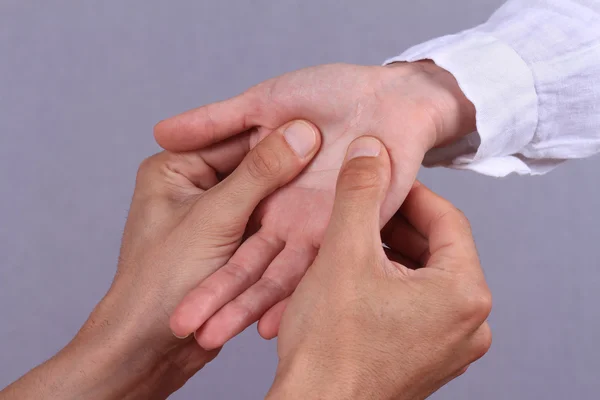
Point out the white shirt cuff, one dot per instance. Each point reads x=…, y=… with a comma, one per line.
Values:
x=501, y=86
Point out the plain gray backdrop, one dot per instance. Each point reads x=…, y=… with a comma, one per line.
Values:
x=83, y=83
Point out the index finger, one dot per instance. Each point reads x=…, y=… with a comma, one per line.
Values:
x=207, y=125
x=446, y=228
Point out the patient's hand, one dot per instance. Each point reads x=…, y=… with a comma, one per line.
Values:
x=409, y=107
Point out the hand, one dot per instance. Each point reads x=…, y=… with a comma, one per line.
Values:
x=410, y=107
x=360, y=326
x=183, y=225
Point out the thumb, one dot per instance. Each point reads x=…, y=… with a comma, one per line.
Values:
x=361, y=189
x=275, y=161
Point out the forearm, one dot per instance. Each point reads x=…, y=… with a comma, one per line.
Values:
x=106, y=360
x=83, y=371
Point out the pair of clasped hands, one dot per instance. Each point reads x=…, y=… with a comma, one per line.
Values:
x=274, y=206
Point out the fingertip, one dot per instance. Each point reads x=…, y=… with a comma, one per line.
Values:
x=361, y=189
x=158, y=131
x=172, y=134
x=266, y=327
x=269, y=323
x=303, y=137
x=217, y=331
x=178, y=325
x=275, y=161
x=266, y=330
x=366, y=170
x=364, y=146
x=209, y=341
x=181, y=337
x=178, y=328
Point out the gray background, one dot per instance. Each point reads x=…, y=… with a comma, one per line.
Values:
x=81, y=86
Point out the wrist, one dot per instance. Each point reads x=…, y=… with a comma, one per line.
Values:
x=123, y=351
x=341, y=373
x=439, y=95
x=109, y=360
x=306, y=377
x=296, y=382
x=99, y=365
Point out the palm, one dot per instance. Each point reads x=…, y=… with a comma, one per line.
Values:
x=344, y=102
x=344, y=109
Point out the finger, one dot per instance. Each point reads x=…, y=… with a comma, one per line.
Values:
x=361, y=188
x=184, y=172
x=268, y=325
x=173, y=175
x=277, y=283
x=225, y=156
x=204, y=126
x=274, y=162
x=446, y=228
x=402, y=238
x=244, y=268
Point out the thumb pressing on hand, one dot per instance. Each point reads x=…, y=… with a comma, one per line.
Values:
x=362, y=185
x=352, y=241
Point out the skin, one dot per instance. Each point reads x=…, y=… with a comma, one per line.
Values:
x=358, y=326
x=361, y=326
x=231, y=223
x=183, y=225
x=411, y=108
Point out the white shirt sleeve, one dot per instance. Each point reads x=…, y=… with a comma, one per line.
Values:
x=533, y=73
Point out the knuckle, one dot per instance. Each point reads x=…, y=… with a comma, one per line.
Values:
x=459, y=215
x=264, y=164
x=455, y=216
x=147, y=166
x=474, y=302
x=256, y=100
x=458, y=220
x=237, y=273
x=482, y=342
x=462, y=220
x=170, y=176
x=243, y=310
x=274, y=286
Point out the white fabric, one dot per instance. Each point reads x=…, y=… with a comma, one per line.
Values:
x=533, y=73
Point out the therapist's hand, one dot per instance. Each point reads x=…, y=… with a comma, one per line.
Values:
x=360, y=326
x=183, y=225
x=410, y=107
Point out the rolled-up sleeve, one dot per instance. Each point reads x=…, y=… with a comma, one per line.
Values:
x=533, y=73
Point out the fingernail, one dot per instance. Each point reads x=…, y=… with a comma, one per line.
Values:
x=301, y=137
x=181, y=337
x=365, y=146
